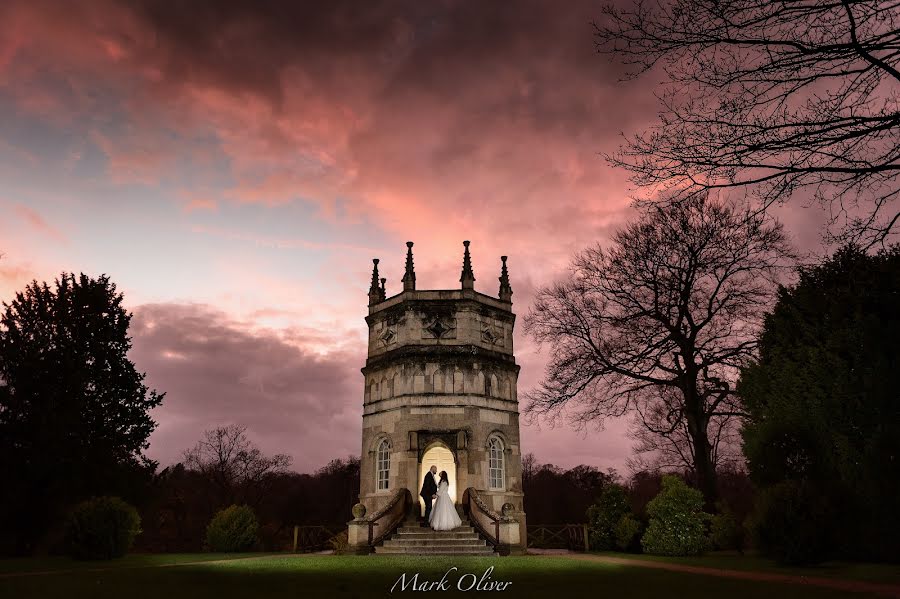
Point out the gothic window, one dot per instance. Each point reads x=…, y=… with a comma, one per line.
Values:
x=495, y=463
x=383, y=465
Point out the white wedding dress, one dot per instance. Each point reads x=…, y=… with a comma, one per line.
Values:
x=443, y=514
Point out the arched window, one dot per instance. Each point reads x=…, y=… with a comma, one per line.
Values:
x=496, y=468
x=383, y=465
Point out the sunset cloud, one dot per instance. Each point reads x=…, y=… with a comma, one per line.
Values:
x=39, y=224
x=235, y=167
x=216, y=371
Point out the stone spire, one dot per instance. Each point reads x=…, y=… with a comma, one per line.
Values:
x=468, y=277
x=375, y=292
x=505, y=289
x=383, y=292
x=409, y=278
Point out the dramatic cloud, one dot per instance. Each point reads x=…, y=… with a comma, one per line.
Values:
x=445, y=116
x=216, y=372
x=234, y=166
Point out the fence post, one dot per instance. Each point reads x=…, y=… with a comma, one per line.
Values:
x=296, y=532
x=587, y=545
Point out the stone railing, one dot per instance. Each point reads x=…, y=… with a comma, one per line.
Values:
x=500, y=530
x=364, y=533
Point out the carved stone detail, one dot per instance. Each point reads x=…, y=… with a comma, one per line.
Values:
x=491, y=334
x=439, y=328
x=388, y=337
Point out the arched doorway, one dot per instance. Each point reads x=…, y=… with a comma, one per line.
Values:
x=437, y=455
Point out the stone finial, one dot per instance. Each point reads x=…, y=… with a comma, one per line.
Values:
x=468, y=277
x=409, y=278
x=383, y=292
x=505, y=290
x=375, y=293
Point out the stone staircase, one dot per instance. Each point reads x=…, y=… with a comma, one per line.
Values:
x=412, y=538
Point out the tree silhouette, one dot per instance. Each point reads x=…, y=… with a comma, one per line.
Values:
x=772, y=98
x=822, y=396
x=659, y=322
x=234, y=466
x=73, y=409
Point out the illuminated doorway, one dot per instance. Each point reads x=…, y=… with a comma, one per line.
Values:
x=441, y=457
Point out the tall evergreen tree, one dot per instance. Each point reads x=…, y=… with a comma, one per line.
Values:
x=823, y=398
x=74, y=415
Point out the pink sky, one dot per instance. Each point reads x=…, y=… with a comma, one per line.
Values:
x=234, y=170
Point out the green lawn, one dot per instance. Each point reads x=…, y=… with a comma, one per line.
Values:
x=879, y=573
x=314, y=576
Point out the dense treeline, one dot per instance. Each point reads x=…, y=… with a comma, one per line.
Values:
x=181, y=505
x=555, y=495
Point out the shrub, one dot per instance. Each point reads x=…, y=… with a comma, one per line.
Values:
x=627, y=530
x=724, y=532
x=340, y=543
x=677, y=521
x=604, y=515
x=101, y=528
x=792, y=523
x=232, y=529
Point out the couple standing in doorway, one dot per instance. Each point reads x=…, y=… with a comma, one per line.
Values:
x=442, y=516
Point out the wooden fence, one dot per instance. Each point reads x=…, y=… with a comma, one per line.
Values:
x=573, y=537
x=315, y=537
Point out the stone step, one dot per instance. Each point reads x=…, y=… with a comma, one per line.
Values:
x=438, y=535
x=445, y=550
x=394, y=542
x=415, y=529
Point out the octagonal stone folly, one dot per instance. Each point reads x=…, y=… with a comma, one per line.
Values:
x=440, y=389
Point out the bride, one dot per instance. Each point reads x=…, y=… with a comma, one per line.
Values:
x=443, y=515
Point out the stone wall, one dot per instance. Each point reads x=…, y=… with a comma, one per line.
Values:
x=441, y=370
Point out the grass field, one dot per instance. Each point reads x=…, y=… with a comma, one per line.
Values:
x=310, y=576
x=879, y=573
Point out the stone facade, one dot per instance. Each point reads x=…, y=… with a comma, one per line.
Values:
x=441, y=373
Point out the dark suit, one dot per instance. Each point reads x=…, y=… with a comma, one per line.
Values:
x=429, y=488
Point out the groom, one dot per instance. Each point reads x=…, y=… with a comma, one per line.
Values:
x=429, y=489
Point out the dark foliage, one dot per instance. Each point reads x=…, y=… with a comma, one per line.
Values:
x=101, y=528
x=74, y=412
x=604, y=516
x=557, y=496
x=176, y=518
x=823, y=398
x=793, y=523
x=233, y=529
x=677, y=522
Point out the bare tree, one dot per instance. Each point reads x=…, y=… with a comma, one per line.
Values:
x=661, y=448
x=235, y=467
x=659, y=322
x=771, y=97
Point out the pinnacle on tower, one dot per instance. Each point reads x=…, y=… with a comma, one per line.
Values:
x=468, y=277
x=505, y=290
x=383, y=292
x=374, y=291
x=409, y=278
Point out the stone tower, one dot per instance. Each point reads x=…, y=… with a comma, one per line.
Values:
x=440, y=388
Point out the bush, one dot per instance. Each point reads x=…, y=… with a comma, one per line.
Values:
x=232, y=529
x=101, y=528
x=792, y=523
x=724, y=532
x=627, y=531
x=339, y=543
x=604, y=515
x=677, y=520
